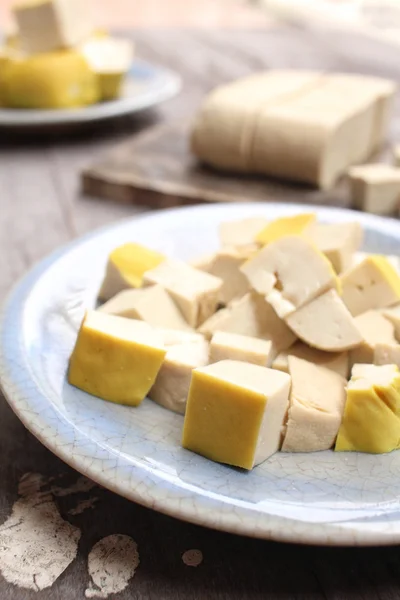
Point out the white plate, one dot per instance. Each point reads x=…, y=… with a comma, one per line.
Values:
x=326, y=498
x=146, y=86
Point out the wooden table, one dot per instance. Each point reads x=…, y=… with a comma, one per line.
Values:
x=41, y=208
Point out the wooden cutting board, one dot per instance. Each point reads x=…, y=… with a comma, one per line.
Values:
x=155, y=168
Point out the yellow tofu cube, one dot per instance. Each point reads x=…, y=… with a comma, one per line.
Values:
x=125, y=268
x=294, y=225
x=371, y=421
x=116, y=359
x=235, y=412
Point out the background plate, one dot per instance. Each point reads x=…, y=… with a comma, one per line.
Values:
x=147, y=85
x=326, y=498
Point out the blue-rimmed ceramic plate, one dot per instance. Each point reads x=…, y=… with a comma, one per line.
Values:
x=325, y=498
x=146, y=86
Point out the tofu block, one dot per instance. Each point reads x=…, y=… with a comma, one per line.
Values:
x=335, y=361
x=325, y=323
x=116, y=359
x=293, y=225
x=253, y=316
x=375, y=329
x=176, y=337
x=373, y=283
x=110, y=59
x=371, y=421
x=387, y=354
x=375, y=188
x=172, y=384
x=235, y=412
x=226, y=265
x=47, y=25
x=289, y=272
x=203, y=263
x=125, y=268
x=393, y=315
x=152, y=304
x=316, y=406
x=232, y=346
x=396, y=155
x=241, y=233
x=195, y=292
x=338, y=241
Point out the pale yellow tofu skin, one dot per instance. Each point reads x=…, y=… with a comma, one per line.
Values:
x=375, y=329
x=335, y=361
x=299, y=224
x=235, y=412
x=338, y=241
x=289, y=272
x=195, y=292
x=316, y=406
x=126, y=267
x=325, y=323
x=232, y=346
x=116, y=359
x=253, y=316
x=371, y=284
x=371, y=421
x=152, y=304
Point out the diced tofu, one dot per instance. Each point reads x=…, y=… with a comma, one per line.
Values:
x=152, y=304
x=235, y=412
x=241, y=233
x=375, y=188
x=196, y=293
x=289, y=272
x=335, y=361
x=338, y=241
x=171, y=387
x=116, y=359
x=371, y=421
x=325, y=323
x=253, y=316
x=203, y=263
x=174, y=337
x=375, y=329
x=125, y=268
x=387, y=354
x=226, y=265
x=373, y=283
x=284, y=226
x=393, y=315
x=46, y=25
x=241, y=347
x=316, y=406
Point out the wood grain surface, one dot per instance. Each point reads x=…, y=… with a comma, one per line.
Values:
x=40, y=209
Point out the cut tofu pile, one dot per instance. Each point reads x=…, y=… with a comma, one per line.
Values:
x=305, y=126
x=57, y=59
x=253, y=345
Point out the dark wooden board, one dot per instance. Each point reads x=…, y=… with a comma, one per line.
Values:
x=156, y=168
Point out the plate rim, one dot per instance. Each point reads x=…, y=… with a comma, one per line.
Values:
x=171, y=86
x=202, y=509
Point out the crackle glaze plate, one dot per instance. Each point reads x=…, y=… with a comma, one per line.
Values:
x=146, y=86
x=324, y=498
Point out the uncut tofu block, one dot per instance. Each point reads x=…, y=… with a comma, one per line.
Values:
x=125, y=268
x=116, y=359
x=375, y=188
x=371, y=421
x=253, y=316
x=373, y=283
x=235, y=412
x=316, y=406
x=289, y=272
x=46, y=25
x=325, y=323
x=335, y=361
x=375, y=329
x=172, y=384
x=152, y=304
x=338, y=241
x=195, y=292
x=241, y=347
